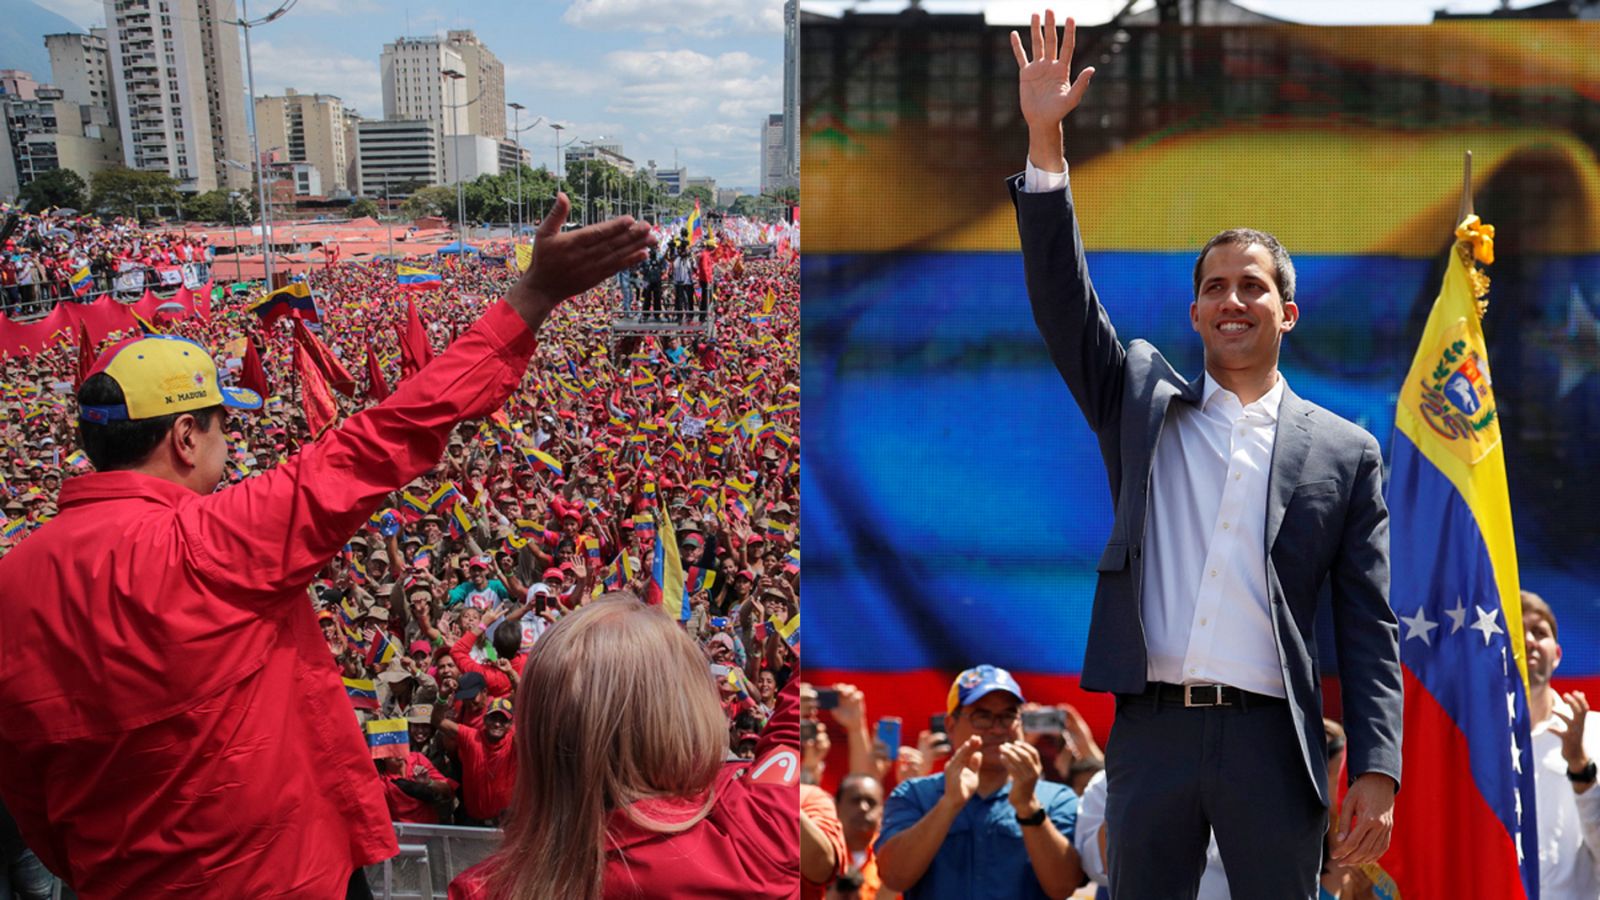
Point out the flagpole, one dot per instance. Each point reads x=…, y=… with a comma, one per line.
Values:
x=1465, y=209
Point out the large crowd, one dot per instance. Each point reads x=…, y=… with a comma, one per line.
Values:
x=619, y=456
x=52, y=257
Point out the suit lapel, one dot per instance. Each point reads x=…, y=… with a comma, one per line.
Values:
x=1289, y=450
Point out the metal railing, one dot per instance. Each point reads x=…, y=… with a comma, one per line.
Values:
x=431, y=856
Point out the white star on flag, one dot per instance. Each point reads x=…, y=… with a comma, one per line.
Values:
x=1516, y=755
x=1511, y=707
x=1458, y=616
x=1418, y=626
x=1486, y=623
x=1518, y=794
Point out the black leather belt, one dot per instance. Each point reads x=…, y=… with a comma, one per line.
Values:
x=1205, y=695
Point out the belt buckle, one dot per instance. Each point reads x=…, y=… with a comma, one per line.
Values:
x=1191, y=701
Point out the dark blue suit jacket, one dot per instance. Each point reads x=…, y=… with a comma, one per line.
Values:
x=1326, y=518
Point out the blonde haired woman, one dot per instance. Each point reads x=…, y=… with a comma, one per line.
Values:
x=624, y=786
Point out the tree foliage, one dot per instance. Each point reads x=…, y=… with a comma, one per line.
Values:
x=222, y=206
x=363, y=207
x=129, y=192
x=701, y=193
x=430, y=201
x=57, y=187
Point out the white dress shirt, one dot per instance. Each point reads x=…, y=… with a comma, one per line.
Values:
x=1206, y=613
x=1569, y=824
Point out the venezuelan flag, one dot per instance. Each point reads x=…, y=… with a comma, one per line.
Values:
x=666, y=574
x=389, y=738
x=82, y=281
x=295, y=300
x=416, y=279
x=445, y=493
x=538, y=457
x=459, y=521
x=77, y=458
x=416, y=507
x=381, y=651
x=789, y=631
x=695, y=232
x=15, y=527
x=1468, y=761
x=791, y=562
x=363, y=693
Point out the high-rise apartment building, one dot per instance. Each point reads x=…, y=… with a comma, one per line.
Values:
x=311, y=129
x=486, y=80
x=179, y=91
x=416, y=87
x=80, y=66
x=774, y=155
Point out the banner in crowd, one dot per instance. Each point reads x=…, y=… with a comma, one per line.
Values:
x=962, y=501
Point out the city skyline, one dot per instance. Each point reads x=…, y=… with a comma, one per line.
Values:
x=698, y=86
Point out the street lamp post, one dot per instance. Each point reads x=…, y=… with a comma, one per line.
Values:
x=461, y=209
x=233, y=229
x=245, y=22
x=588, y=175
x=558, y=127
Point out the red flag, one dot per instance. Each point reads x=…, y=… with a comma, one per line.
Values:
x=333, y=371
x=415, y=351
x=377, y=388
x=202, y=303
x=320, y=408
x=252, y=375
x=85, y=356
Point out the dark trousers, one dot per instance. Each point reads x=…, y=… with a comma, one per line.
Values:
x=707, y=291
x=684, y=297
x=358, y=889
x=1175, y=775
x=652, y=299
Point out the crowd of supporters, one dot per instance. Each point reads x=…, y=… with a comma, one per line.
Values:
x=50, y=257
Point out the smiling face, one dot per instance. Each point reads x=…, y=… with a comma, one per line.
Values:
x=1239, y=309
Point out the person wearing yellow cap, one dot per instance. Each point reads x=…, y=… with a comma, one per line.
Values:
x=175, y=725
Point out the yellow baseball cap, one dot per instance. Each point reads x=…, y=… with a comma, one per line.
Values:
x=162, y=374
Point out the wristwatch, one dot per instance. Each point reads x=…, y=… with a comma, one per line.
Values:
x=1036, y=819
x=1585, y=775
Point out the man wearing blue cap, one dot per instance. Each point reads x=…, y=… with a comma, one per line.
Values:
x=174, y=724
x=987, y=828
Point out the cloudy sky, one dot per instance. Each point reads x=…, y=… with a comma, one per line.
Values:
x=695, y=78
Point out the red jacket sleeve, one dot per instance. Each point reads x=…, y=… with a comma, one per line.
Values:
x=494, y=679
x=269, y=535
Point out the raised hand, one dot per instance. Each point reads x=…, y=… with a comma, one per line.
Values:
x=1044, y=84
x=1571, y=727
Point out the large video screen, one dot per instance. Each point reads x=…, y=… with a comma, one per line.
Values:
x=955, y=501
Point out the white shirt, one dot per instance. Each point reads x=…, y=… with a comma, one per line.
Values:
x=1207, y=616
x=1092, y=819
x=1569, y=824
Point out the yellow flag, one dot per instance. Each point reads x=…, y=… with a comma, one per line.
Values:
x=768, y=301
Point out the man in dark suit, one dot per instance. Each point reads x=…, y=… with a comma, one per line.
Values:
x=1236, y=501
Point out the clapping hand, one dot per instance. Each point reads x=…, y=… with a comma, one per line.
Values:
x=961, y=773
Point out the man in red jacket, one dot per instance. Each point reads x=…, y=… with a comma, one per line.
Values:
x=174, y=723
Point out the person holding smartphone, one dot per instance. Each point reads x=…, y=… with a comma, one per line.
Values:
x=988, y=827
